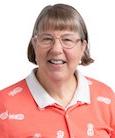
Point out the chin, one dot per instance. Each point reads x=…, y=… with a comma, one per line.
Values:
x=57, y=76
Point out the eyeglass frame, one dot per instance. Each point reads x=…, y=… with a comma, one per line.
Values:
x=59, y=38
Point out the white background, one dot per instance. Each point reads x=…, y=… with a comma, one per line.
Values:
x=17, y=19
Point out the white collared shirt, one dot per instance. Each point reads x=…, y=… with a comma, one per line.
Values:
x=43, y=99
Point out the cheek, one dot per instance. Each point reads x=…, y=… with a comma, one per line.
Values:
x=37, y=55
x=74, y=55
x=40, y=55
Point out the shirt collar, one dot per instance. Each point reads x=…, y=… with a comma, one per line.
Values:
x=43, y=99
x=83, y=91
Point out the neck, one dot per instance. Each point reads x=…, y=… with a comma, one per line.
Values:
x=60, y=90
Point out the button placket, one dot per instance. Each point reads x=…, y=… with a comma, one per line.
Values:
x=69, y=125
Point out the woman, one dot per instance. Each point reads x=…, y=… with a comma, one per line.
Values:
x=55, y=100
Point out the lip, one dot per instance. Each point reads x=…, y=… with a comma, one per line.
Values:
x=57, y=61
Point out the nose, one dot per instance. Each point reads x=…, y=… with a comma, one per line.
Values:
x=57, y=46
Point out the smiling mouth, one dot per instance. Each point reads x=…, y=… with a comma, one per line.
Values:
x=57, y=61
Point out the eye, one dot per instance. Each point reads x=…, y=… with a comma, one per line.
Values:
x=67, y=40
x=46, y=39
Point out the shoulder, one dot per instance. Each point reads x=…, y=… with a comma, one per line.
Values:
x=10, y=96
x=100, y=88
x=13, y=89
x=103, y=100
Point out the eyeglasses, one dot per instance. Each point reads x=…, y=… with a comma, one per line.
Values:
x=67, y=41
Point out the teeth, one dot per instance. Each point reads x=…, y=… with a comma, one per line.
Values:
x=56, y=61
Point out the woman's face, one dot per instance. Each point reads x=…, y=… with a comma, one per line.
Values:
x=54, y=60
